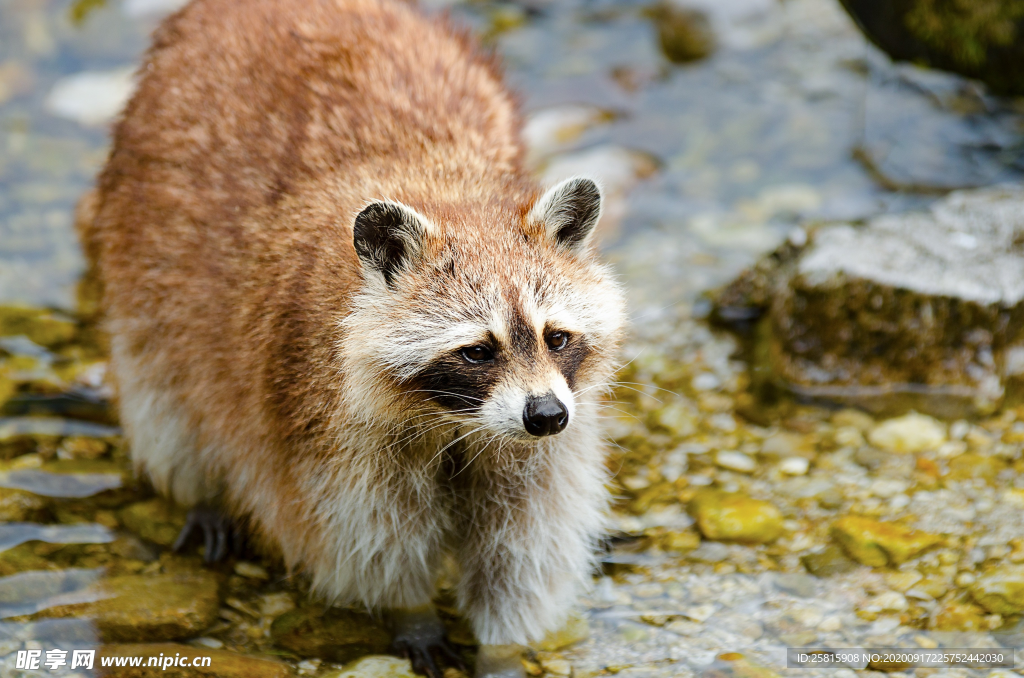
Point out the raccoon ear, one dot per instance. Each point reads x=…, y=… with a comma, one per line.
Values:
x=388, y=236
x=569, y=212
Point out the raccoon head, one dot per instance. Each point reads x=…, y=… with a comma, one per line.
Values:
x=497, y=317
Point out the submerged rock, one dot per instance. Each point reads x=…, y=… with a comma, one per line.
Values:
x=156, y=520
x=1001, y=591
x=878, y=544
x=735, y=517
x=828, y=562
x=958, y=617
x=21, y=506
x=575, y=630
x=981, y=39
x=337, y=635
x=138, y=608
x=684, y=33
x=917, y=311
x=222, y=664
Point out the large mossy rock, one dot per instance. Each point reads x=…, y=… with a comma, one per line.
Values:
x=920, y=311
x=981, y=39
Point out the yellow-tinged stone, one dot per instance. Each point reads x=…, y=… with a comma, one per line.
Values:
x=908, y=434
x=933, y=586
x=81, y=447
x=1014, y=496
x=139, y=608
x=680, y=542
x=958, y=617
x=972, y=465
x=336, y=635
x=576, y=629
x=1001, y=591
x=376, y=666
x=903, y=581
x=156, y=520
x=222, y=664
x=735, y=517
x=557, y=667
x=878, y=544
x=44, y=327
x=19, y=506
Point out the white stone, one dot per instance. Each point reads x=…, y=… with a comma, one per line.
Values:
x=705, y=381
x=888, y=487
x=376, y=666
x=909, y=434
x=206, y=641
x=148, y=8
x=549, y=129
x=274, y=604
x=890, y=601
x=250, y=570
x=735, y=461
x=794, y=466
x=91, y=98
x=557, y=667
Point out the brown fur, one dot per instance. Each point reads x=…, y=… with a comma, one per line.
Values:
x=223, y=229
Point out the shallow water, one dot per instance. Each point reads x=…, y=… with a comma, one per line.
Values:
x=707, y=165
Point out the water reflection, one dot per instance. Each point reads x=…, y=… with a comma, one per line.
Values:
x=13, y=534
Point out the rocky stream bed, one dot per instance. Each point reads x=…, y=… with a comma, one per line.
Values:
x=751, y=141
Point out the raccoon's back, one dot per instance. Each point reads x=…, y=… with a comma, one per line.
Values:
x=258, y=130
x=259, y=108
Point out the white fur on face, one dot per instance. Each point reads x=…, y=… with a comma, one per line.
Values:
x=502, y=412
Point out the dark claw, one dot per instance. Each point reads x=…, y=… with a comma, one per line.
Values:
x=452, y=655
x=218, y=533
x=419, y=636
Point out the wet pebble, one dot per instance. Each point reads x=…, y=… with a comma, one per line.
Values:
x=878, y=543
x=908, y=434
x=337, y=635
x=1001, y=591
x=828, y=562
x=137, y=608
x=735, y=461
x=795, y=466
x=157, y=520
x=21, y=506
x=575, y=630
x=375, y=667
x=244, y=568
x=736, y=517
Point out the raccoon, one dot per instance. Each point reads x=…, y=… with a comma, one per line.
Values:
x=341, y=310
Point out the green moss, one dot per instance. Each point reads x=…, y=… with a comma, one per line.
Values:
x=965, y=29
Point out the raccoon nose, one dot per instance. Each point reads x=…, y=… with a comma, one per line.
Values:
x=544, y=416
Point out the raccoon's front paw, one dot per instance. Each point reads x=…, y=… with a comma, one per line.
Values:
x=220, y=535
x=499, y=661
x=420, y=636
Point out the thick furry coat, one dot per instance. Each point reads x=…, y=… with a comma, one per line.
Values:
x=265, y=364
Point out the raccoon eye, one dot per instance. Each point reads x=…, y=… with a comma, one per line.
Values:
x=557, y=340
x=477, y=354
